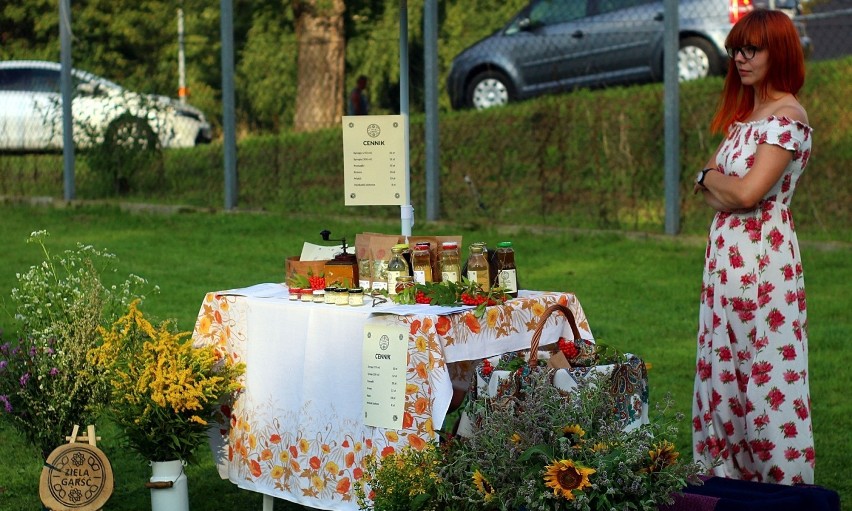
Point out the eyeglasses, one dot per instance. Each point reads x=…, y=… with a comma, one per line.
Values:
x=746, y=51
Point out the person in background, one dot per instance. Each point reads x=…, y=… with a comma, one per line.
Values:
x=751, y=407
x=359, y=102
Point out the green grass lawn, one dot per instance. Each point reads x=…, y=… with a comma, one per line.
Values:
x=640, y=294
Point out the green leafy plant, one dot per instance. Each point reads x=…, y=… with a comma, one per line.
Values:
x=46, y=384
x=406, y=480
x=163, y=389
x=453, y=293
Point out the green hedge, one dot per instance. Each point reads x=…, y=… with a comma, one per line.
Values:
x=587, y=159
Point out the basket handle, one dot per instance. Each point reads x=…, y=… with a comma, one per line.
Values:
x=536, y=338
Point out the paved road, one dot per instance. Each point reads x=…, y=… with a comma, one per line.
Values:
x=830, y=28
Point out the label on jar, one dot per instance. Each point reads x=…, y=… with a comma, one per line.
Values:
x=420, y=276
x=450, y=276
x=508, y=280
x=392, y=276
x=365, y=284
x=479, y=277
x=379, y=285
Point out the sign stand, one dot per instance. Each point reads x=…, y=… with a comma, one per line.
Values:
x=76, y=476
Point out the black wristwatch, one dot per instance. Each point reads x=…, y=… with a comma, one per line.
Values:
x=699, y=179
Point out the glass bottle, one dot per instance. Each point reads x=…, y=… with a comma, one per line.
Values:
x=507, y=276
x=422, y=262
x=477, y=266
x=403, y=282
x=450, y=267
x=397, y=267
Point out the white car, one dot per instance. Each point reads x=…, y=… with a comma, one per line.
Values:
x=31, y=112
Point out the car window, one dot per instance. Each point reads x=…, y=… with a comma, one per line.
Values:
x=605, y=6
x=550, y=12
x=36, y=80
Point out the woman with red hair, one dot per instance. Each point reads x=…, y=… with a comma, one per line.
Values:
x=751, y=408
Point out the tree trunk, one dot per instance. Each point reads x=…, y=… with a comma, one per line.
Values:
x=319, y=92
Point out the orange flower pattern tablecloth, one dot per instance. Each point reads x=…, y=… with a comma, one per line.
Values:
x=296, y=431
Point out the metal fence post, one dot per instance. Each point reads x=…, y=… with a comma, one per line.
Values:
x=672, y=118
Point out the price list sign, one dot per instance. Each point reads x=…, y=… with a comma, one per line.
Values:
x=385, y=356
x=374, y=160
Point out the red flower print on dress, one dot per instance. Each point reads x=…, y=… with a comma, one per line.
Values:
x=809, y=455
x=788, y=352
x=727, y=376
x=723, y=276
x=775, y=320
x=783, y=121
x=729, y=428
x=797, y=479
x=806, y=155
x=764, y=293
x=776, y=473
x=762, y=138
x=696, y=423
x=775, y=239
x=791, y=376
x=791, y=453
x=720, y=242
x=749, y=161
x=784, y=138
x=748, y=279
x=785, y=186
x=762, y=448
x=715, y=401
x=705, y=370
x=801, y=408
x=760, y=373
x=800, y=294
x=763, y=262
x=724, y=354
x=734, y=257
x=752, y=228
x=736, y=407
x=797, y=330
x=735, y=222
x=761, y=421
x=775, y=398
x=789, y=430
x=790, y=297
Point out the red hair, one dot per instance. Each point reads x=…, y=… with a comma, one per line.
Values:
x=774, y=32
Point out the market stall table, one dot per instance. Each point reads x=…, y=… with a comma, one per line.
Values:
x=297, y=429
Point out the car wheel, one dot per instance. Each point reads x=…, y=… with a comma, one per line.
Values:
x=697, y=58
x=489, y=89
x=131, y=133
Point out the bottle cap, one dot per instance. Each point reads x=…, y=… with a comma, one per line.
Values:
x=449, y=244
x=400, y=246
x=504, y=244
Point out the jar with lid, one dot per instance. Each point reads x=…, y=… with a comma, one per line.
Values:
x=319, y=295
x=450, y=264
x=397, y=266
x=307, y=295
x=507, y=276
x=403, y=282
x=330, y=295
x=477, y=266
x=341, y=296
x=356, y=296
x=421, y=261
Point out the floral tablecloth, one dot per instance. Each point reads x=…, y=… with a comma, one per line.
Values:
x=296, y=430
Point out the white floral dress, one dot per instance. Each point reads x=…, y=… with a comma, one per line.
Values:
x=751, y=407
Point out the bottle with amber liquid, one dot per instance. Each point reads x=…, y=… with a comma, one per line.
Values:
x=421, y=260
x=450, y=264
x=477, y=266
x=397, y=267
x=504, y=262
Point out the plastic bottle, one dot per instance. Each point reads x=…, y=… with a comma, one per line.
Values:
x=450, y=265
x=397, y=266
x=507, y=275
x=422, y=263
x=477, y=266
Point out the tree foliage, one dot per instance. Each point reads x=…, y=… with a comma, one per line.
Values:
x=135, y=43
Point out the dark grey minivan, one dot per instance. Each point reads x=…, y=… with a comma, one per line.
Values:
x=559, y=45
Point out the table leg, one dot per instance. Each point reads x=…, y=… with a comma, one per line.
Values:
x=267, y=502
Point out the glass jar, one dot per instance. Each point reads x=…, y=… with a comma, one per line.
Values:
x=307, y=295
x=477, y=267
x=397, y=266
x=450, y=265
x=319, y=295
x=341, y=296
x=356, y=296
x=294, y=293
x=507, y=276
x=330, y=295
x=422, y=262
x=402, y=283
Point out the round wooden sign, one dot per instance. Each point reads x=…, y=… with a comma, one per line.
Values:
x=76, y=477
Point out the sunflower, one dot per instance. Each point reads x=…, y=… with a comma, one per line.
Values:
x=662, y=455
x=574, y=433
x=564, y=477
x=482, y=485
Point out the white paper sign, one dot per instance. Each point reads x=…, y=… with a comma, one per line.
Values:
x=311, y=252
x=374, y=160
x=385, y=356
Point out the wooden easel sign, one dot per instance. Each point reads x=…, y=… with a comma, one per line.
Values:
x=76, y=476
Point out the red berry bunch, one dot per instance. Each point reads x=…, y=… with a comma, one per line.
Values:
x=487, y=368
x=421, y=297
x=569, y=349
x=316, y=282
x=473, y=299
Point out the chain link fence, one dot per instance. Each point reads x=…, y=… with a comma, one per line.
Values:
x=503, y=56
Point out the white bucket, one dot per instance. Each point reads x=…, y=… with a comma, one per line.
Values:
x=173, y=497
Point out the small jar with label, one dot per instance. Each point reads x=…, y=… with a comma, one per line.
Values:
x=356, y=296
x=397, y=266
x=450, y=265
x=307, y=295
x=404, y=282
x=319, y=295
x=294, y=293
x=341, y=296
x=330, y=295
x=421, y=260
